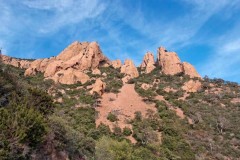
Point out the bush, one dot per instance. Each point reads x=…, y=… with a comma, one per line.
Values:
x=117, y=131
x=112, y=117
x=20, y=127
x=138, y=116
x=67, y=138
x=110, y=149
x=127, y=131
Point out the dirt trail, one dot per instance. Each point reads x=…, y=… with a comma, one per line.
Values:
x=124, y=105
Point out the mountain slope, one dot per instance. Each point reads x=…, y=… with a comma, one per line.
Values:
x=86, y=107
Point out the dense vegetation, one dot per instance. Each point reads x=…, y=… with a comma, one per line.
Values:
x=113, y=79
x=35, y=125
x=23, y=110
x=214, y=131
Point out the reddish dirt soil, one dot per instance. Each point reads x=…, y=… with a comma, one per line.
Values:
x=235, y=100
x=124, y=105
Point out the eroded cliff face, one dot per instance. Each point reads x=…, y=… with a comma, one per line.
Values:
x=71, y=64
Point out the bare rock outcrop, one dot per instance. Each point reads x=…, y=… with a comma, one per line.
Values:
x=34, y=67
x=53, y=68
x=169, y=62
x=14, y=61
x=146, y=86
x=148, y=62
x=71, y=63
x=96, y=71
x=188, y=69
x=69, y=76
x=82, y=56
x=98, y=87
x=129, y=69
x=116, y=63
x=192, y=86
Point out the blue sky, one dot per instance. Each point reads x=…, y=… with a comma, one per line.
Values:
x=205, y=33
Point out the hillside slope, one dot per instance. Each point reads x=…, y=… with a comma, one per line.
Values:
x=80, y=105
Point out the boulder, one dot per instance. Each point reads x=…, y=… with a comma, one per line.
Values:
x=104, y=74
x=192, y=86
x=98, y=87
x=52, y=68
x=96, y=72
x=43, y=65
x=34, y=68
x=148, y=62
x=25, y=64
x=30, y=72
x=169, y=62
x=188, y=69
x=116, y=63
x=69, y=76
x=129, y=69
x=146, y=86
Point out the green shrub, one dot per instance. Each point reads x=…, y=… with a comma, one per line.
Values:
x=117, y=131
x=112, y=117
x=127, y=131
x=138, y=116
x=67, y=138
x=20, y=127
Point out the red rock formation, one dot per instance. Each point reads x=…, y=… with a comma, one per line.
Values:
x=70, y=65
x=116, y=63
x=82, y=56
x=148, y=62
x=129, y=69
x=192, y=86
x=169, y=62
x=72, y=61
x=188, y=69
x=69, y=76
x=14, y=61
x=96, y=71
x=98, y=87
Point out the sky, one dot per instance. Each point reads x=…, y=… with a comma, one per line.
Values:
x=205, y=33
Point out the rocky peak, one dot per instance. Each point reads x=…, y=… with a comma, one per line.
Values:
x=116, y=63
x=83, y=56
x=169, y=62
x=148, y=62
x=72, y=61
x=129, y=69
x=72, y=50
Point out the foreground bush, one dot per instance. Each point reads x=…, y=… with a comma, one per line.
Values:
x=20, y=128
